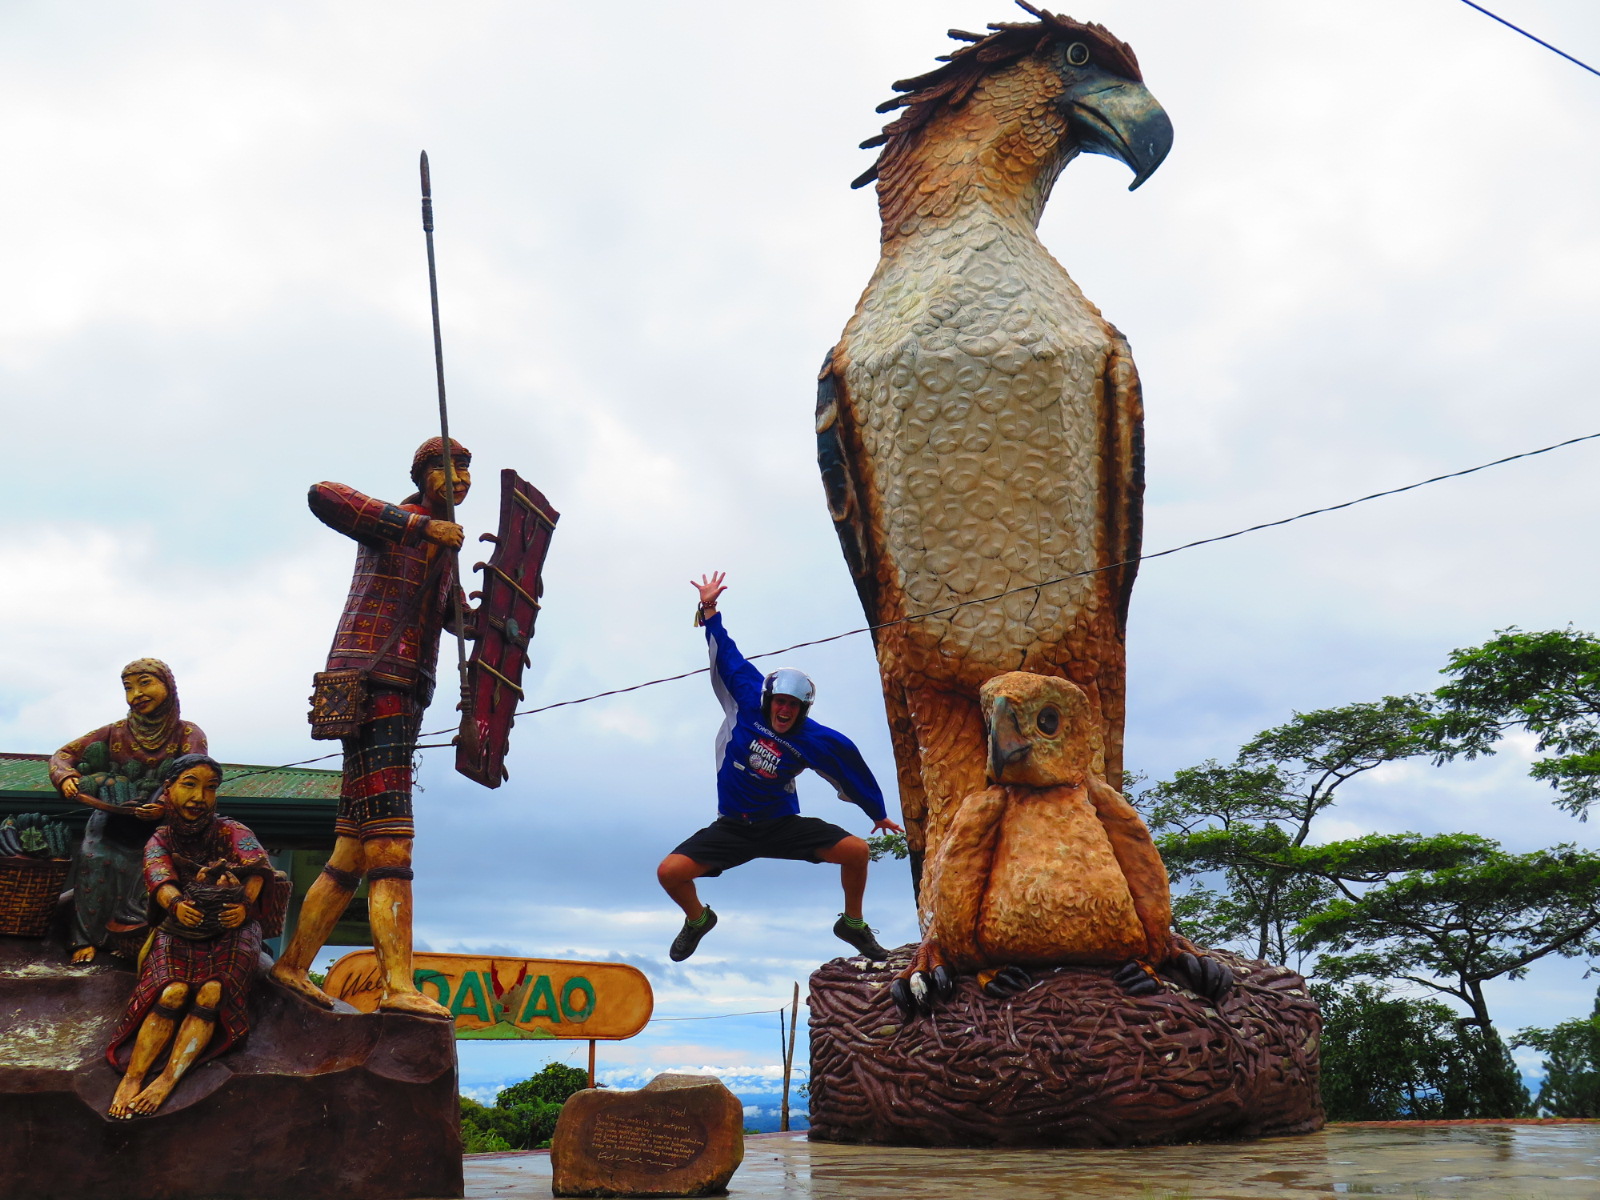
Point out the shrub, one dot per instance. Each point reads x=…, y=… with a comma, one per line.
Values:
x=524, y=1115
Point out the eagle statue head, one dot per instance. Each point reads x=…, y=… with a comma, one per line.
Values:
x=1019, y=102
x=1041, y=730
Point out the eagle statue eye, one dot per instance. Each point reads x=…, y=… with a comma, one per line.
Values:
x=1078, y=54
x=1049, y=720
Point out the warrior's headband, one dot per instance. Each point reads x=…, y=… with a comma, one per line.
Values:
x=431, y=454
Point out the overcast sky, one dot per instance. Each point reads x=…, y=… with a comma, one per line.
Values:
x=1371, y=257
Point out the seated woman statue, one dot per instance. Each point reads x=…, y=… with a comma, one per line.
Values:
x=205, y=872
x=114, y=770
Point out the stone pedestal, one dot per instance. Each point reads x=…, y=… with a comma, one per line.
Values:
x=679, y=1135
x=313, y=1103
x=1073, y=1061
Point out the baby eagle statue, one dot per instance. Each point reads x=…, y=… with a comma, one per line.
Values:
x=1048, y=866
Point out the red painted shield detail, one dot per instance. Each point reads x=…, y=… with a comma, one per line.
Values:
x=508, y=607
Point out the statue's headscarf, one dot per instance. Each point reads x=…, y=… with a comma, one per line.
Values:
x=154, y=729
x=195, y=842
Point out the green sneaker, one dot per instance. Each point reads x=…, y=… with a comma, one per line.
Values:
x=689, y=936
x=859, y=936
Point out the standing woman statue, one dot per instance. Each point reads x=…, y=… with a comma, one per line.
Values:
x=115, y=770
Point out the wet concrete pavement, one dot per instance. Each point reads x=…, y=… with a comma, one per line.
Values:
x=1442, y=1162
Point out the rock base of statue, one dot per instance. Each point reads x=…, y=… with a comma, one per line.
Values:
x=313, y=1103
x=1073, y=1061
x=679, y=1135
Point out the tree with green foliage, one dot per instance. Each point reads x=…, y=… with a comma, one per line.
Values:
x=1447, y=912
x=1545, y=683
x=553, y=1085
x=1244, y=821
x=1571, y=1066
x=1389, y=1057
x=891, y=845
x=484, y=1130
x=524, y=1115
x=1452, y=927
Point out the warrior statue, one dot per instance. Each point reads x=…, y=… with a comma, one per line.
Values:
x=379, y=681
x=115, y=770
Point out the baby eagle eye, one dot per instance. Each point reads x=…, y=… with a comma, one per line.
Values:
x=1049, y=720
x=1077, y=54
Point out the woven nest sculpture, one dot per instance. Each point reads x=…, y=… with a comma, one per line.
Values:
x=1072, y=1061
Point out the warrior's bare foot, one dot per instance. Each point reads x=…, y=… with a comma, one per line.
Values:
x=415, y=1003
x=297, y=983
x=83, y=954
x=126, y=1091
x=152, y=1098
x=923, y=984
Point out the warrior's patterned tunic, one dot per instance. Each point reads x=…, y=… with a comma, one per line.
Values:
x=394, y=563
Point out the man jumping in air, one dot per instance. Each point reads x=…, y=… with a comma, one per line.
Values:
x=766, y=740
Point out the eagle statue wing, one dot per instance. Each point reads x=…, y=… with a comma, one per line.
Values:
x=840, y=458
x=1124, y=411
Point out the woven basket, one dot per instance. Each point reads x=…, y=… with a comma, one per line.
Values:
x=29, y=889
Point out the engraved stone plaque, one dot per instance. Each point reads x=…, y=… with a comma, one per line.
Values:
x=680, y=1135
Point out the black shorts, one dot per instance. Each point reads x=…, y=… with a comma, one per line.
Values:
x=731, y=842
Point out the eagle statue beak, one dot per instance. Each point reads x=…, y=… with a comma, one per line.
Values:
x=1006, y=743
x=1120, y=119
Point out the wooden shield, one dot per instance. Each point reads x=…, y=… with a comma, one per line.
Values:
x=509, y=605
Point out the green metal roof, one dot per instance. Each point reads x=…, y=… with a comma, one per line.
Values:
x=285, y=806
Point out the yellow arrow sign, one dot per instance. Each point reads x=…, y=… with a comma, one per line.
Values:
x=496, y=997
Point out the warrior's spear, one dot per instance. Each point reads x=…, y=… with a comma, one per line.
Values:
x=467, y=724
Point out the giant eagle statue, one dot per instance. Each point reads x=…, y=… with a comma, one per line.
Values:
x=979, y=422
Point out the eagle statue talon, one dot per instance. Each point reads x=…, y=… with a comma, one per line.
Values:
x=923, y=985
x=1201, y=974
x=1138, y=978
x=1005, y=983
x=900, y=993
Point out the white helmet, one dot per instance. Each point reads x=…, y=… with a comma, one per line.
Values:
x=786, y=681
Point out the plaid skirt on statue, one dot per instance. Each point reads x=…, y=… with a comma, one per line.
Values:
x=375, y=799
x=231, y=958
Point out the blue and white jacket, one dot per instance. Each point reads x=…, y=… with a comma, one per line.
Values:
x=756, y=767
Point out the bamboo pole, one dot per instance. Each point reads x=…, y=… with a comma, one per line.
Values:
x=591, y=1062
x=788, y=1054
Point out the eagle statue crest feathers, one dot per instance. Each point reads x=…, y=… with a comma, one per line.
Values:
x=979, y=422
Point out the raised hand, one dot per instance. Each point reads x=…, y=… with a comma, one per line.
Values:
x=710, y=587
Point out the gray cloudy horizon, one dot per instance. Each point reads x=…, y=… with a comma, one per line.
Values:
x=1370, y=258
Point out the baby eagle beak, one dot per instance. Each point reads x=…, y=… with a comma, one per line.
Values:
x=1007, y=746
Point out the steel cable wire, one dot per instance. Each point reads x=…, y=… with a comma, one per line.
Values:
x=1029, y=587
